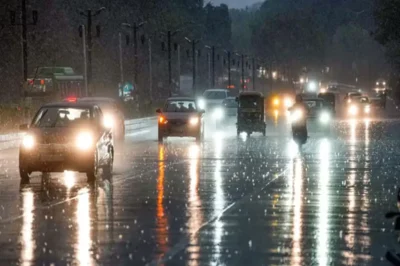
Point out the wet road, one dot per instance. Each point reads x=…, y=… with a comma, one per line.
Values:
x=229, y=201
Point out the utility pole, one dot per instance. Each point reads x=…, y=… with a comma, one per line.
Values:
x=170, y=34
x=179, y=67
x=150, y=71
x=121, y=62
x=243, y=81
x=135, y=27
x=89, y=14
x=229, y=67
x=193, y=42
x=253, y=68
x=24, y=34
x=211, y=66
x=85, y=59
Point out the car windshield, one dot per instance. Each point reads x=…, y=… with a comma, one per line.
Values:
x=60, y=117
x=217, y=95
x=250, y=102
x=180, y=106
x=230, y=102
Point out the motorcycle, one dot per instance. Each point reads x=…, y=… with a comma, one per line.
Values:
x=298, y=120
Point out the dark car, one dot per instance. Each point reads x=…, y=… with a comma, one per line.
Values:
x=180, y=117
x=113, y=115
x=66, y=136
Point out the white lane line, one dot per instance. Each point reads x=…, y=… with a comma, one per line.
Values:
x=184, y=242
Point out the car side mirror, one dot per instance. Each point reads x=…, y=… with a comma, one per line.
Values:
x=23, y=127
x=158, y=110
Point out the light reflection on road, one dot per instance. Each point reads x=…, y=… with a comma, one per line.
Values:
x=324, y=203
x=219, y=199
x=296, y=258
x=28, y=244
x=195, y=205
x=84, y=228
x=162, y=221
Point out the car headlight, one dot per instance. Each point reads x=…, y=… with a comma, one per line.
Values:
x=296, y=115
x=28, y=142
x=84, y=141
x=218, y=113
x=367, y=109
x=202, y=104
x=108, y=121
x=353, y=110
x=325, y=117
x=288, y=102
x=276, y=102
x=194, y=121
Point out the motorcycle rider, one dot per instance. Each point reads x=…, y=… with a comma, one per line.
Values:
x=300, y=105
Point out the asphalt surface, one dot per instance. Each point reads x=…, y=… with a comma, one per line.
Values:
x=229, y=201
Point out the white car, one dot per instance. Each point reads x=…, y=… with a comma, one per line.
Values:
x=213, y=98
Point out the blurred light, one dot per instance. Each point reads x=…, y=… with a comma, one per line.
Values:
x=288, y=102
x=201, y=103
x=384, y=83
x=377, y=84
x=162, y=221
x=162, y=120
x=108, y=121
x=274, y=74
x=323, y=90
x=194, y=151
x=301, y=80
x=276, y=101
x=312, y=86
x=84, y=228
x=28, y=244
x=84, y=141
x=71, y=99
x=28, y=141
x=194, y=121
x=69, y=179
x=353, y=110
x=325, y=118
x=367, y=109
x=218, y=113
x=296, y=115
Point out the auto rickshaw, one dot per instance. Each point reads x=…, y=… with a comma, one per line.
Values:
x=250, y=113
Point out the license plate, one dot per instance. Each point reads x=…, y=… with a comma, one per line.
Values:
x=51, y=158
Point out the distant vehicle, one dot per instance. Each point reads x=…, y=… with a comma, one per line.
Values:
x=380, y=86
x=66, y=136
x=360, y=106
x=54, y=83
x=230, y=106
x=351, y=95
x=250, y=115
x=213, y=98
x=180, y=117
x=113, y=115
x=319, y=110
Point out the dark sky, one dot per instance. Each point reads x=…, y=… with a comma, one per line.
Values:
x=236, y=3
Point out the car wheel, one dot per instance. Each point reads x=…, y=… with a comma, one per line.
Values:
x=108, y=168
x=92, y=173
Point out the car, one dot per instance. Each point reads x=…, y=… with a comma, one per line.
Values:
x=230, y=107
x=213, y=98
x=66, y=136
x=360, y=106
x=113, y=115
x=180, y=117
x=351, y=95
x=319, y=110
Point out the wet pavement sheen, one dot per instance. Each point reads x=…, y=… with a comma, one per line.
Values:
x=229, y=201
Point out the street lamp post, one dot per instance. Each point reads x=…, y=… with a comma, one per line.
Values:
x=229, y=67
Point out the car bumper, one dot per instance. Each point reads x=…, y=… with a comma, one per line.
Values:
x=56, y=158
x=179, y=130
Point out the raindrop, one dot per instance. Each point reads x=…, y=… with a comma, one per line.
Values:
x=250, y=243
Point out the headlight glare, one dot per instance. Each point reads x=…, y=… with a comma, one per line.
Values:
x=194, y=121
x=367, y=109
x=108, y=121
x=296, y=115
x=218, y=113
x=84, y=141
x=353, y=110
x=325, y=118
x=202, y=104
x=28, y=142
